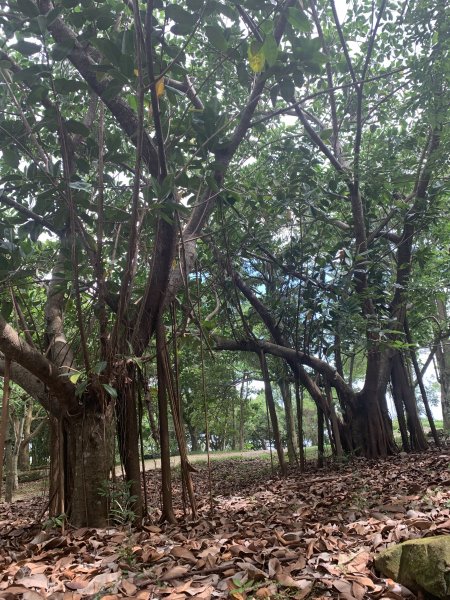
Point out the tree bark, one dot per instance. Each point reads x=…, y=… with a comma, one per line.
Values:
x=128, y=435
x=443, y=361
x=88, y=456
x=166, y=476
x=289, y=415
x=273, y=415
x=402, y=387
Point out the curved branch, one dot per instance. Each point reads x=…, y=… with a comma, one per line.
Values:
x=28, y=382
x=290, y=355
x=12, y=346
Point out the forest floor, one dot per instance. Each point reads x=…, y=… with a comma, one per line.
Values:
x=310, y=535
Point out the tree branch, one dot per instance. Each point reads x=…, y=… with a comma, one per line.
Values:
x=16, y=349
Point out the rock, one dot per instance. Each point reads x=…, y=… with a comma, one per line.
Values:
x=420, y=565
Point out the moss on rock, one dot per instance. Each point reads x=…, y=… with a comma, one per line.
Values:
x=420, y=565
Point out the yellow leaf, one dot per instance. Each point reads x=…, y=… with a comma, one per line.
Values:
x=256, y=58
x=75, y=377
x=159, y=87
x=136, y=72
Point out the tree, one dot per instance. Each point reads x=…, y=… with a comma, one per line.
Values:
x=112, y=162
x=375, y=188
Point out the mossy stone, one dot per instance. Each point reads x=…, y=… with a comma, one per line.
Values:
x=420, y=565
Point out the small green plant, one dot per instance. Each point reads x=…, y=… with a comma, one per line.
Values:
x=127, y=555
x=56, y=522
x=120, y=501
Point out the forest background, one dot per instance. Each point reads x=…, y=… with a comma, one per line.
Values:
x=200, y=194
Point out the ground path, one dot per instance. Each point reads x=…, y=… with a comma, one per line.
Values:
x=155, y=463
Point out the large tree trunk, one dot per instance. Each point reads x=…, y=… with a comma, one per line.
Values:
x=82, y=459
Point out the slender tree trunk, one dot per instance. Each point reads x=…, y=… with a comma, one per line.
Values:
x=398, y=403
x=273, y=415
x=166, y=475
x=9, y=464
x=128, y=436
x=57, y=467
x=233, y=424
x=299, y=408
x=421, y=384
x=151, y=417
x=320, y=437
x=241, y=412
x=24, y=450
x=289, y=415
x=334, y=421
x=5, y=418
x=443, y=361
x=402, y=387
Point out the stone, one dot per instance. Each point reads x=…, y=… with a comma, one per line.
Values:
x=421, y=565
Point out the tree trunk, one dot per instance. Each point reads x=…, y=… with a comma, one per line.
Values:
x=89, y=460
x=241, y=412
x=299, y=408
x=443, y=360
x=9, y=465
x=419, y=377
x=289, y=414
x=166, y=474
x=273, y=415
x=128, y=435
x=402, y=387
x=24, y=450
x=320, y=437
x=81, y=462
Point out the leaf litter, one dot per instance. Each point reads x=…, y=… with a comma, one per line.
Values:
x=310, y=535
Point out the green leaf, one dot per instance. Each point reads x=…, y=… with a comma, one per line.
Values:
x=114, y=88
x=10, y=158
x=66, y=86
x=216, y=37
x=270, y=50
x=26, y=48
x=181, y=29
x=38, y=93
x=326, y=134
x=109, y=50
x=299, y=20
x=110, y=390
x=195, y=4
x=28, y=8
x=61, y=51
x=75, y=126
x=287, y=90
x=82, y=186
x=99, y=367
x=181, y=16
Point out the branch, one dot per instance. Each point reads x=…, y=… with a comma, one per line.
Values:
x=290, y=355
x=16, y=349
x=121, y=110
x=187, y=88
x=28, y=382
x=7, y=201
x=159, y=297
